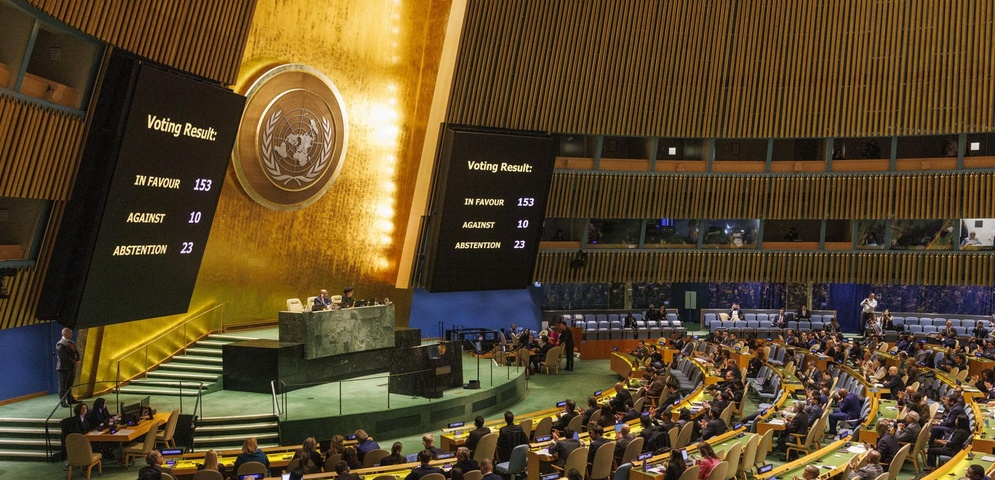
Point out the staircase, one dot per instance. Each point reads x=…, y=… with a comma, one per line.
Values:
x=228, y=433
x=200, y=364
x=24, y=439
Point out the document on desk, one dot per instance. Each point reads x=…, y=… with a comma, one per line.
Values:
x=857, y=449
x=776, y=421
x=125, y=432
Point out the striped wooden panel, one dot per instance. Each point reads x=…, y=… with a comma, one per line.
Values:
x=39, y=150
x=791, y=267
x=203, y=37
x=818, y=196
x=725, y=68
x=25, y=287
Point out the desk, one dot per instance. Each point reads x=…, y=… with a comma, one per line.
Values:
x=957, y=466
x=831, y=460
x=188, y=466
x=656, y=466
x=984, y=438
x=127, y=434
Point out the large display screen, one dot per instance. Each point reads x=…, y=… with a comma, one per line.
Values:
x=490, y=190
x=172, y=152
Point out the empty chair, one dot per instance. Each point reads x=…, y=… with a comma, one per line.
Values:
x=622, y=472
x=954, y=322
x=544, y=427
x=793, y=324
x=672, y=317
x=961, y=331
x=818, y=326
x=898, y=321
x=968, y=324
x=294, y=305
x=516, y=464
x=762, y=317
x=929, y=329
x=939, y=322
x=709, y=318
x=140, y=449
x=79, y=453
x=817, y=318
x=753, y=325
x=165, y=437
x=912, y=320
x=915, y=329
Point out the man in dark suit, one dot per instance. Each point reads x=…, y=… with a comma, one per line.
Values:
x=322, y=301
x=622, y=440
x=887, y=444
x=510, y=436
x=953, y=408
x=561, y=447
x=487, y=470
x=797, y=426
x=428, y=441
x=712, y=426
x=566, y=417
x=68, y=359
x=154, y=462
x=477, y=433
x=622, y=400
x=893, y=381
x=464, y=462
x=424, y=457
x=908, y=429
x=567, y=342
x=598, y=439
x=780, y=320
x=849, y=409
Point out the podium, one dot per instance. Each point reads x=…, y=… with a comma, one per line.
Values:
x=427, y=370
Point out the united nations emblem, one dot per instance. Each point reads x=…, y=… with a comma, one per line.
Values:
x=292, y=140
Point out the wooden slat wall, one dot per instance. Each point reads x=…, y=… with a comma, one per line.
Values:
x=843, y=197
x=38, y=150
x=39, y=155
x=725, y=68
x=203, y=37
x=790, y=267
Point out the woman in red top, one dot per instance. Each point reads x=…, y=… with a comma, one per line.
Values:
x=708, y=460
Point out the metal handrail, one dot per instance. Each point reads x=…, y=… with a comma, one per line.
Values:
x=161, y=336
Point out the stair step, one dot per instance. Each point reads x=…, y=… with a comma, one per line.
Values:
x=178, y=374
x=142, y=390
x=27, y=442
x=191, y=367
x=22, y=454
x=38, y=421
x=197, y=359
x=202, y=439
x=219, y=337
x=238, y=418
x=240, y=426
x=24, y=430
x=200, y=350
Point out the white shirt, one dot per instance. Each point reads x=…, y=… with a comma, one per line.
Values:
x=869, y=305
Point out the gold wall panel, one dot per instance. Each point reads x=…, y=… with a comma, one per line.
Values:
x=790, y=267
x=382, y=56
x=843, y=197
x=203, y=37
x=727, y=68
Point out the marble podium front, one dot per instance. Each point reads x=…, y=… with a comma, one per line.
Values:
x=336, y=332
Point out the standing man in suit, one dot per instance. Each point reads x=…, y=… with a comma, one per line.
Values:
x=567, y=341
x=68, y=359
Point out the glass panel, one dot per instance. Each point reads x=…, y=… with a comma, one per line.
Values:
x=977, y=234
x=680, y=149
x=839, y=231
x=741, y=149
x=614, y=233
x=575, y=146
x=21, y=222
x=60, y=68
x=15, y=33
x=563, y=229
x=792, y=230
x=922, y=235
x=671, y=233
x=731, y=234
x=870, y=234
x=799, y=149
x=980, y=145
x=626, y=147
x=861, y=148
x=934, y=146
